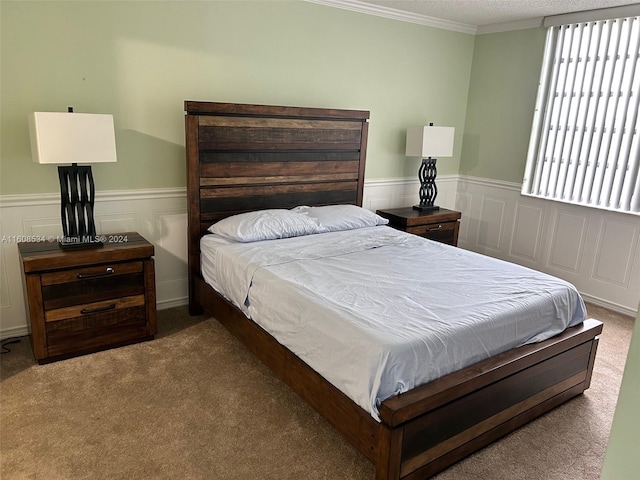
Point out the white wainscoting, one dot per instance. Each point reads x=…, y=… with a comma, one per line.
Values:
x=159, y=215
x=596, y=250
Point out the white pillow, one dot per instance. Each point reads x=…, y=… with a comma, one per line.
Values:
x=333, y=218
x=264, y=225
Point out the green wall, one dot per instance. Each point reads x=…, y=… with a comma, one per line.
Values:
x=502, y=96
x=141, y=60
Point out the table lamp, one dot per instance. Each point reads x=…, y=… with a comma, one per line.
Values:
x=427, y=142
x=59, y=137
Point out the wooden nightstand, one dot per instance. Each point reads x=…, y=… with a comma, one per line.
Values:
x=84, y=300
x=441, y=225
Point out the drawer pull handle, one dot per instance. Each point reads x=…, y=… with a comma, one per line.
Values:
x=436, y=229
x=108, y=271
x=87, y=311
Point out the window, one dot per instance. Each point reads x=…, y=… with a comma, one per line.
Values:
x=584, y=146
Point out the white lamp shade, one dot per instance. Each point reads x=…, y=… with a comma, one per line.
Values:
x=58, y=137
x=430, y=141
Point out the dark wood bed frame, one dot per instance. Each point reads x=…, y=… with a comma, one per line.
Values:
x=252, y=157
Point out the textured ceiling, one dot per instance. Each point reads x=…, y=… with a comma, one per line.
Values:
x=489, y=12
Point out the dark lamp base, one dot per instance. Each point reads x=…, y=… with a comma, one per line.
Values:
x=426, y=208
x=80, y=242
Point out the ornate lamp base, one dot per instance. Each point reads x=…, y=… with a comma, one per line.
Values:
x=428, y=190
x=77, y=193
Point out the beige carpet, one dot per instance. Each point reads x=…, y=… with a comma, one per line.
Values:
x=194, y=404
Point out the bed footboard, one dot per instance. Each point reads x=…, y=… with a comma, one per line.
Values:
x=431, y=427
x=438, y=424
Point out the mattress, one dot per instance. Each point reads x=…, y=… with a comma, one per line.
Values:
x=377, y=311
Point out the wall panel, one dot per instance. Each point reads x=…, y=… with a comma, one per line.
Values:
x=527, y=232
x=491, y=224
x=567, y=241
x=617, y=246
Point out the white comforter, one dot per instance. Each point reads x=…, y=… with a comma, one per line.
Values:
x=377, y=312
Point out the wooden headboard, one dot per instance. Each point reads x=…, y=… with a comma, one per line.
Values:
x=244, y=157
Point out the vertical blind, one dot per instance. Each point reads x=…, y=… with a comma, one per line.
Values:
x=584, y=146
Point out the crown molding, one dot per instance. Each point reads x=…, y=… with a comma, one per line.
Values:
x=394, y=14
x=510, y=26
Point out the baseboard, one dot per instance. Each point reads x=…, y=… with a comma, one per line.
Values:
x=599, y=302
x=172, y=303
x=14, y=332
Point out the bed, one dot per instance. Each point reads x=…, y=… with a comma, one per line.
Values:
x=243, y=158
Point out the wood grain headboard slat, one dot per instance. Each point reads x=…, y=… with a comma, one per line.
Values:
x=220, y=208
x=242, y=109
x=281, y=200
x=283, y=169
x=277, y=123
x=268, y=190
x=224, y=181
x=245, y=157
x=281, y=138
x=278, y=144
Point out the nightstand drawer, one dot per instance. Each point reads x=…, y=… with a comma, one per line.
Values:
x=108, y=270
x=441, y=232
x=63, y=295
x=86, y=332
x=93, y=308
x=441, y=225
